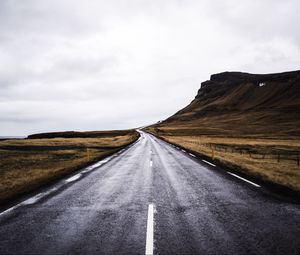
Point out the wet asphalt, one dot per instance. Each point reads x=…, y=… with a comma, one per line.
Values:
x=199, y=209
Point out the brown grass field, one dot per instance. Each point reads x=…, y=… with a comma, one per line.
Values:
x=26, y=164
x=272, y=160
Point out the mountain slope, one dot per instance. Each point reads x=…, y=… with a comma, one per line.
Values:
x=242, y=104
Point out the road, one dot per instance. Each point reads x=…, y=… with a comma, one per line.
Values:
x=152, y=197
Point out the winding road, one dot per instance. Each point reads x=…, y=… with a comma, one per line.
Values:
x=152, y=198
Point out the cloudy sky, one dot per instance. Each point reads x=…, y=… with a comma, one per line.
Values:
x=91, y=65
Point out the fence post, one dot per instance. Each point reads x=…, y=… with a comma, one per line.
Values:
x=298, y=160
x=212, y=154
x=87, y=154
x=278, y=158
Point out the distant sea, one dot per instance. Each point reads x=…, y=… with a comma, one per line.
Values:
x=12, y=137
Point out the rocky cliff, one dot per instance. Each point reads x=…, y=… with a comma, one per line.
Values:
x=243, y=104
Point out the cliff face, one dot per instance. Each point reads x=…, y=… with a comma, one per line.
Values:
x=243, y=103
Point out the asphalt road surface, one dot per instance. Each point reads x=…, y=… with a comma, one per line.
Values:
x=152, y=198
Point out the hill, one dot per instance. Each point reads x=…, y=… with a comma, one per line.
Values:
x=77, y=134
x=242, y=104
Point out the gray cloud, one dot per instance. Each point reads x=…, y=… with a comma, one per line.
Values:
x=84, y=65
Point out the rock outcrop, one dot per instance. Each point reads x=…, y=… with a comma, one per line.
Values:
x=243, y=103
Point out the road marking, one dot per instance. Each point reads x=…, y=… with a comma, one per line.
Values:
x=10, y=209
x=73, y=178
x=33, y=199
x=96, y=165
x=183, y=150
x=120, y=152
x=150, y=230
x=192, y=155
x=90, y=168
x=151, y=163
x=254, y=184
x=208, y=162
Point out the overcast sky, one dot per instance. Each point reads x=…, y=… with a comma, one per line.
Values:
x=92, y=65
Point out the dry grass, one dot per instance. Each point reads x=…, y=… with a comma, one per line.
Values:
x=256, y=157
x=26, y=164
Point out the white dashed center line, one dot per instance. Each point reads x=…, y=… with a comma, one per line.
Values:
x=192, y=155
x=150, y=230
